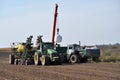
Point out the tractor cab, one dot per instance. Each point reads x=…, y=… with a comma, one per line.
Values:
x=73, y=49
x=45, y=46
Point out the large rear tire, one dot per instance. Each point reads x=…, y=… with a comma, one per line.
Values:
x=36, y=59
x=73, y=59
x=11, y=59
x=45, y=60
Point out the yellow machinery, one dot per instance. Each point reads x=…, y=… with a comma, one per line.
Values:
x=22, y=52
x=20, y=48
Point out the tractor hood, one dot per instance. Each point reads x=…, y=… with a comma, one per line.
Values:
x=51, y=51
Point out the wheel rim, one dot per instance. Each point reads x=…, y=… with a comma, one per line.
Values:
x=36, y=59
x=43, y=60
x=73, y=59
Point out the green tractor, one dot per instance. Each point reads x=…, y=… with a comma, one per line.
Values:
x=22, y=53
x=74, y=53
x=46, y=54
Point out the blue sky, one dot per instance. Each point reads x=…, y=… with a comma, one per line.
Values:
x=89, y=21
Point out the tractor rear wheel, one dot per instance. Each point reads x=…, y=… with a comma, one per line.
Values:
x=45, y=60
x=36, y=59
x=11, y=59
x=73, y=58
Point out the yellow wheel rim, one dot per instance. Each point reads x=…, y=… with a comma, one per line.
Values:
x=43, y=60
x=36, y=58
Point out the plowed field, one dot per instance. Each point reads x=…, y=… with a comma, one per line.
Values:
x=83, y=71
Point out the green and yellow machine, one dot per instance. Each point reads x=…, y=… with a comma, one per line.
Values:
x=22, y=53
x=46, y=54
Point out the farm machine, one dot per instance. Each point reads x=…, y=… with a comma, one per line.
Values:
x=45, y=53
x=22, y=53
x=74, y=53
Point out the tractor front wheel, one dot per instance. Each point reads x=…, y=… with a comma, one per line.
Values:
x=36, y=59
x=73, y=59
x=45, y=60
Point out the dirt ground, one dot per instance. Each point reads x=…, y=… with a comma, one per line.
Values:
x=83, y=71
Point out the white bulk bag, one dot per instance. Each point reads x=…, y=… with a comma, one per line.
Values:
x=58, y=38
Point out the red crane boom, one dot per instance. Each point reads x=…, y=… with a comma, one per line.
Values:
x=54, y=23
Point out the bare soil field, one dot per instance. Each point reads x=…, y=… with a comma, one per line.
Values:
x=82, y=71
